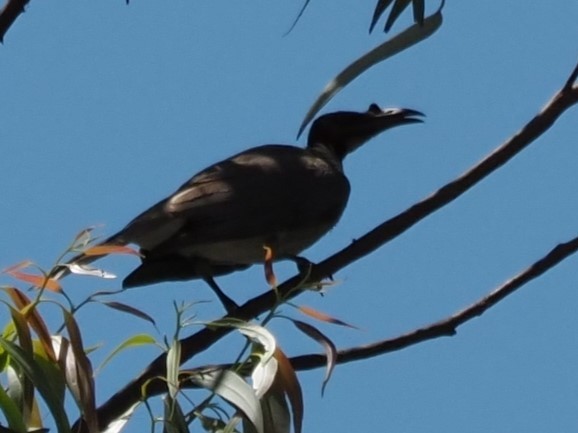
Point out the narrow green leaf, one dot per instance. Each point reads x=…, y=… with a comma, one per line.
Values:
x=389, y=48
x=35, y=374
x=134, y=341
x=173, y=364
x=235, y=390
x=130, y=310
x=11, y=412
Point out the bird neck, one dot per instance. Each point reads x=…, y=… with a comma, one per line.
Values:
x=328, y=154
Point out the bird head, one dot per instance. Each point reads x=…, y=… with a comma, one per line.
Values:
x=344, y=131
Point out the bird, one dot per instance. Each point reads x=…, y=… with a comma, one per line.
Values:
x=282, y=197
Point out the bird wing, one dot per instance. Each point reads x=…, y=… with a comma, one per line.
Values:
x=259, y=191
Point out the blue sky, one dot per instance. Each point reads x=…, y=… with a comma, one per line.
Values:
x=107, y=108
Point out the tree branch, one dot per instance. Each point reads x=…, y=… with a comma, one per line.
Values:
x=448, y=326
x=120, y=402
x=12, y=9
x=443, y=328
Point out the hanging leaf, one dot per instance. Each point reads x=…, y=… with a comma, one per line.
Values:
x=389, y=48
x=298, y=17
x=330, y=349
x=129, y=309
x=290, y=383
x=235, y=390
x=398, y=7
x=396, y=10
x=418, y=11
x=380, y=8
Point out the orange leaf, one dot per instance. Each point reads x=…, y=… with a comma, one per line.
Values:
x=34, y=319
x=104, y=249
x=308, y=311
x=292, y=388
x=39, y=281
x=35, y=280
x=17, y=267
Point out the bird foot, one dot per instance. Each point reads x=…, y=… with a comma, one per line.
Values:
x=303, y=265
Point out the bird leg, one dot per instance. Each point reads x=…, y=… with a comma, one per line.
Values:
x=227, y=302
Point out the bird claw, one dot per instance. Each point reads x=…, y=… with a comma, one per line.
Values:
x=303, y=265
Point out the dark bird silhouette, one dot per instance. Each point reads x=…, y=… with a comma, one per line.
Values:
x=280, y=196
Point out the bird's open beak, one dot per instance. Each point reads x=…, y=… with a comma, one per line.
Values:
x=394, y=116
x=376, y=120
x=345, y=131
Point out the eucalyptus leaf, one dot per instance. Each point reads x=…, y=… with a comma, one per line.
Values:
x=402, y=41
x=231, y=387
x=30, y=368
x=11, y=412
